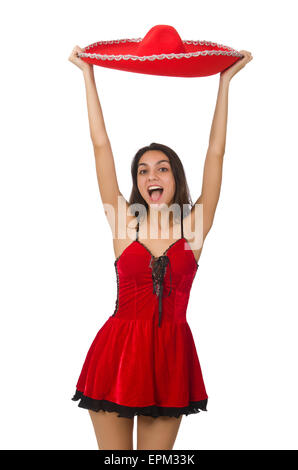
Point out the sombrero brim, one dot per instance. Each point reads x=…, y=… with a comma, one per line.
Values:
x=201, y=58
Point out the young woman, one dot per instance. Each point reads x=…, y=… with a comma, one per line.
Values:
x=143, y=361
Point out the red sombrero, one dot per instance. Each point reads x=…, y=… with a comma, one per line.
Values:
x=162, y=52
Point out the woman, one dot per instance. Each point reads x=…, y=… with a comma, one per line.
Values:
x=143, y=361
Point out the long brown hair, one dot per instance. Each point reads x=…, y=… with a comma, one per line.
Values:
x=182, y=194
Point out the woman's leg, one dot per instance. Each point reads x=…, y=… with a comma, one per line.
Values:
x=112, y=433
x=157, y=433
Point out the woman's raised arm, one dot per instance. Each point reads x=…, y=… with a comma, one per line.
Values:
x=104, y=159
x=212, y=175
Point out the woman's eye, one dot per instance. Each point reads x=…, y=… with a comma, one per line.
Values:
x=162, y=168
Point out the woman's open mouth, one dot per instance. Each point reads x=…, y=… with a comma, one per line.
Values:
x=155, y=193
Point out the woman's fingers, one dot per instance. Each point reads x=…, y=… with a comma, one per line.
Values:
x=74, y=53
x=77, y=60
x=247, y=55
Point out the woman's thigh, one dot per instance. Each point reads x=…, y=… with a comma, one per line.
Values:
x=157, y=433
x=111, y=431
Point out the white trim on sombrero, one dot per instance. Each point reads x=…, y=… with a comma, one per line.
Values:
x=229, y=51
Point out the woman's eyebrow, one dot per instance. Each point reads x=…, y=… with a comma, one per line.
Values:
x=160, y=161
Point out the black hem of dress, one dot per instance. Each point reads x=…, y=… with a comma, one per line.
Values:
x=130, y=411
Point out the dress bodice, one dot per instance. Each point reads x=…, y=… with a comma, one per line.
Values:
x=146, y=283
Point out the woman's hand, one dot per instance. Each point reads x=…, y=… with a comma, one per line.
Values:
x=233, y=69
x=77, y=61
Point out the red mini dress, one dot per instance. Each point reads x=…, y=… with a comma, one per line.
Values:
x=143, y=361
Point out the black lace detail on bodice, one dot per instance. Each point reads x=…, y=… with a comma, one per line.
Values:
x=159, y=266
x=117, y=298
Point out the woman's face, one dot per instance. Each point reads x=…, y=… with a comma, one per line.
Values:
x=154, y=169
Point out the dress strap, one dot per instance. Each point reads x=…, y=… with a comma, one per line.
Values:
x=182, y=235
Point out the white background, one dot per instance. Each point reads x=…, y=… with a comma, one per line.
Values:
x=58, y=282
